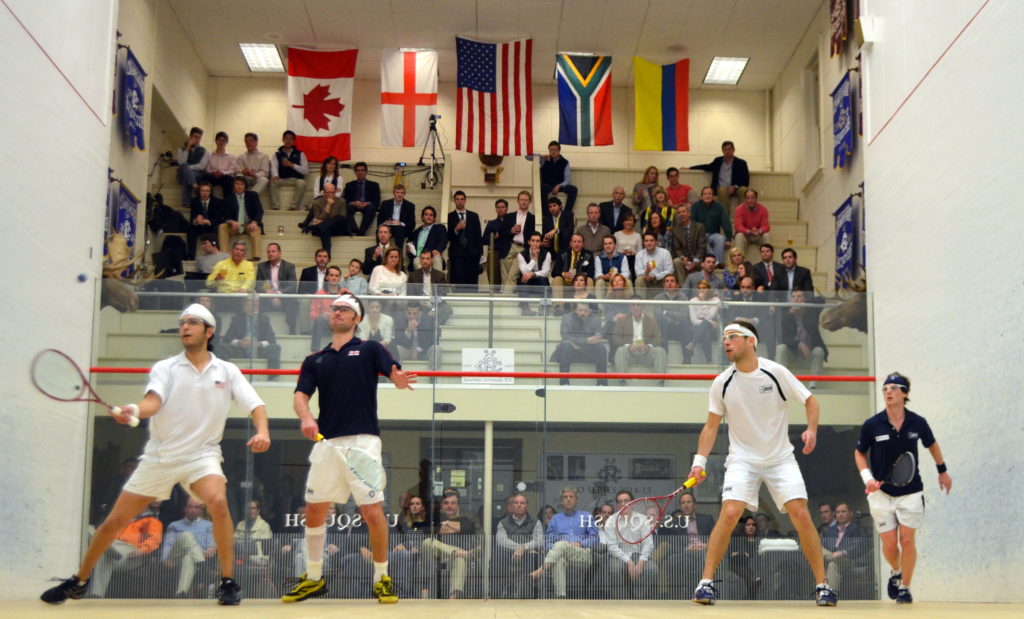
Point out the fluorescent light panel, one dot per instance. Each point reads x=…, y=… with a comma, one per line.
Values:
x=725, y=71
x=262, y=57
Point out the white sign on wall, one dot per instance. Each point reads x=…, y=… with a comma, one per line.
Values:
x=488, y=360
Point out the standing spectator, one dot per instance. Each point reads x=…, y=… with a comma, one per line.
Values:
x=643, y=192
x=220, y=165
x=614, y=211
x=465, y=248
x=253, y=165
x=519, y=226
x=712, y=215
x=363, y=196
x=288, y=168
x=730, y=176
x=751, y=221
x=191, y=158
x=498, y=241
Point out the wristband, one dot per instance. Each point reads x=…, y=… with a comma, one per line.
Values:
x=699, y=460
x=941, y=467
x=866, y=475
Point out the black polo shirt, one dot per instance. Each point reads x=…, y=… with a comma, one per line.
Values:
x=347, y=382
x=886, y=444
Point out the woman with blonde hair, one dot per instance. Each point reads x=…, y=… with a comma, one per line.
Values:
x=643, y=192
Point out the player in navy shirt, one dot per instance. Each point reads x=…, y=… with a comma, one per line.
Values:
x=345, y=374
x=897, y=511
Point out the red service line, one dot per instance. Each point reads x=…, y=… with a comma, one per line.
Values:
x=597, y=375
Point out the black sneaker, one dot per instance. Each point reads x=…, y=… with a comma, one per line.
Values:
x=893, y=586
x=904, y=597
x=229, y=593
x=67, y=589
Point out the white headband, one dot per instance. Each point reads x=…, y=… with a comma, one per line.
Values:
x=741, y=330
x=200, y=312
x=349, y=301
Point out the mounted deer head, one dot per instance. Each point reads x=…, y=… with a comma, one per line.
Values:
x=853, y=312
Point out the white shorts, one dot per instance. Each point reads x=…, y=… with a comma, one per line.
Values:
x=157, y=480
x=888, y=511
x=331, y=481
x=743, y=482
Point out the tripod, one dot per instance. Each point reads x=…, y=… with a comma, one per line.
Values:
x=435, y=170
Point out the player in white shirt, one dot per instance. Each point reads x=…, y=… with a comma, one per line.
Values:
x=753, y=392
x=188, y=398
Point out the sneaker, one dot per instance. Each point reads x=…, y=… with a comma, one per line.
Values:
x=904, y=597
x=384, y=590
x=825, y=596
x=893, y=586
x=67, y=589
x=305, y=588
x=706, y=593
x=229, y=593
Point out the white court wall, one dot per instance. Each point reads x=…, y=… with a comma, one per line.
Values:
x=55, y=120
x=940, y=185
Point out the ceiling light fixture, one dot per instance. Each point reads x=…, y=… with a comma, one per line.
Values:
x=725, y=71
x=262, y=57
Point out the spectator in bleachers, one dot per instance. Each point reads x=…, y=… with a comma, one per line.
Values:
x=637, y=341
x=243, y=214
x=373, y=256
x=744, y=559
x=354, y=281
x=827, y=512
x=705, y=274
x=608, y=264
x=191, y=158
x=731, y=269
x=329, y=173
x=801, y=343
x=592, y=230
x=582, y=342
x=614, y=211
x=766, y=525
x=398, y=214
x=363, y=196
x=556, y=175
x=768, y=272
x=643, y=192
x=234, y=273
x=312, y=278
x=747, y=270
x=207, y=213
x=545, y=515
x=570, y=539
x=426, y=280
x=220, y=165
x=388, y=278
x=457, y=538
x=682, y=544
x=660, y=206
x=704, y=320
x=535, y=265
x=674, y=316
x=253, y=165
x=209, y=254
x=253, y=537
x=328, y=217
x=730, y=176
x=677, y=192
x=712, y=215
x=845, y=547
x=498, y=241
x=751, y=222
x=207, y=302
x=518, y=225
x=288, y=168
x=188, y=543
x=659, y=227
x=628, y=564
x=251, y=333
x=689, y=242
x=278, y=277
x=430, y=236
x=557, y=226
x=615, y=312
x=465, y=249
x=519, y=540
x=653, y=263
x=572, y=260
x=797, y=277
x=580, y=290
x=757, y=315
x=415, y=335
x=414, y=516
x=130, y=550
x=629, y=241
x=378, y=327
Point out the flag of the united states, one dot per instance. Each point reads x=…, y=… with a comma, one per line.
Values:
x=495, y=99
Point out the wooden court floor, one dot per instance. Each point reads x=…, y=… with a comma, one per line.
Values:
x=480, y=609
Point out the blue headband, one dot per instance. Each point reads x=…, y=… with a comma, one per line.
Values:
x=896, y=379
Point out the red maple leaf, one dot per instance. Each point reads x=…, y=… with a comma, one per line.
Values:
x=317, y=107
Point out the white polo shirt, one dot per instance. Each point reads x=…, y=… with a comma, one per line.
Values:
x=190, y=424
x=755, y=405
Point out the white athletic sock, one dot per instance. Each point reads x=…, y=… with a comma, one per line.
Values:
x=903, y=587
x=895, y=573
x=822, y=585
x=315, y=537
x=379, y=569
x=704, y=581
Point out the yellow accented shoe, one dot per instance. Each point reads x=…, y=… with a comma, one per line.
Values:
x=384, y=590
x=305, y=588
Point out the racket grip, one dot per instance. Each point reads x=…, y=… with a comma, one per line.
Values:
x=132, y=410
x=133, y=421
x=690, y=483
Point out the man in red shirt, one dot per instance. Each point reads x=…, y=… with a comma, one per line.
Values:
x=750, y=221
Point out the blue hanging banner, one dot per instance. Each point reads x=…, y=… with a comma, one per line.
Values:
x=845, y=243
x=842, y=122
x=125, y=223
x=133, y=103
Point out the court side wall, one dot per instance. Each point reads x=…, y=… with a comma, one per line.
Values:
x=942, y=205
x=56, y=117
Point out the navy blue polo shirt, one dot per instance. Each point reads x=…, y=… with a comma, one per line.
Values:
x=886, y=445
x=347, y=382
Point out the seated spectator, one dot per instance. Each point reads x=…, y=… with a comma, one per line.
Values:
x=188, y=543
x=377, y=327
x=373, y=256
x=801, y=343
x=845, y=547
x=751, y=222
x=731, y=270
x=730, y=175
x=689, y=242
x=398, y=214
x=354, y=281
x=363, y=197
x=673, y=317
x=534, y=271
x=428, y=281
x=614, y=211
x=706, y=274
x=766, y=525
x=414, y=516
x=643, y=192
x=582, y=342
x=615, y=312
x=431, y=236
x=288, y=168
x=327, y=217
x=653, y=263
x=715, y=219
x=630, y=565
x=253, y=539
x=277, y=277
x=250, y=333
x=677, y=192
x=768, y=274
x=457, y=539
x=628, y=241
x=557, y=226
x=388, y=278
x=545, y=515
x=637, y=341
x=682, y=545
x=757, y=315
x=243, y=214
x=320, y=309
x=607, y=265
x=705, y=321
x=797, y=277
x=329, y=174
x=575, y=259
x=209, y=255
x=253, y=165
x=570, y=539
x=659, y=228
x=206, y=214
x=220, y=165
x=556, y=176
x=593, y=231
x=744, y=559
x=659, y=206
x=415, y=337
x=234, y=274
x=827, y=512
x=191, y=158
x=130, y=550
x=580, y=290
x=518, y=543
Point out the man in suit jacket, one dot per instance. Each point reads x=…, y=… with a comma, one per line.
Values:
x=415, y=335
x=276, y=276
x=466, y=247
x=845, y=546
x=614, y=212
x=243, y=214
x=797, y=277
x=800, y=337
x=575, y=259
x=311, y=280
x=518, y=225
x=684, y=542
x=426, y=280
x=251, y=331
x=431, y=236
x=373, y=256
x=206, y=216
x=627, y=350
x=498, y=240
x=730, y=176
x=770, y=273
x=689, y=242
x=556, y=226
x=399, y=214
x=593, y=231
x=362, y=196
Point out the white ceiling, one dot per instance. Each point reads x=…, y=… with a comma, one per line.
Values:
x=766, y=31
